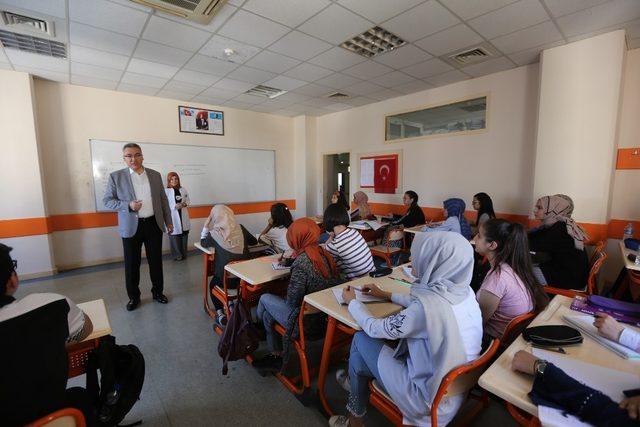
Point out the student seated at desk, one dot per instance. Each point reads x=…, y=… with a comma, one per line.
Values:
x=611, y=329
x=340, y=198
x=33, y=377
x=454, y=212
x=414, y=215
x=312, y=270
x=484, y=205
x=510, y=289
x=558, y=244
x=275, y=234
x=231, y=242
x=348, y=247
x=553, y=387
x=439, y=328
x=362, y=210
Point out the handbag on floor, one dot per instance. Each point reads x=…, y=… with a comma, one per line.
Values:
x=240, y=338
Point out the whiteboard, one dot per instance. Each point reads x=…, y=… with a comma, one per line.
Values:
x=210, y=174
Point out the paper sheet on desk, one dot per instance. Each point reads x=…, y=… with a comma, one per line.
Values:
x=337, y=292
x=551, y=417
x=407, y=269
x=584, y=322
x=375, y=225
x=609, y=381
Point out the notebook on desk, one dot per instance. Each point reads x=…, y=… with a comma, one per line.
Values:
x=585, y=324
x=360, y=296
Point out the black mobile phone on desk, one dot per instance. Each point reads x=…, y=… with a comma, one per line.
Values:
x=384, y=271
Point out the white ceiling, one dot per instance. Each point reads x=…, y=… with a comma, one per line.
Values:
x=294, y=45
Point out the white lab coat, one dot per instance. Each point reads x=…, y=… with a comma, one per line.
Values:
x=178, y=228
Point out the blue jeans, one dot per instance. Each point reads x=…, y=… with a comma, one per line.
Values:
x=363, y=365
x=272, y=308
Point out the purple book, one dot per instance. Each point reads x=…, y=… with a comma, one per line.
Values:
x=622, y=311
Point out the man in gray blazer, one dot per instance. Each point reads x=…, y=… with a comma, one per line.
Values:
x=137, y=194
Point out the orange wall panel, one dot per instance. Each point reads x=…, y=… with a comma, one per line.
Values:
x=628, y=158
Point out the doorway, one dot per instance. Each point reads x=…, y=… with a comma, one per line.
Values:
x=336, y=173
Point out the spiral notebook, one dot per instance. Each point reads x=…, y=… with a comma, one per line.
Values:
x=585, y=324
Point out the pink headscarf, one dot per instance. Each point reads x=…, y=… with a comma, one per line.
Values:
x=559, y=207
x=362, y=200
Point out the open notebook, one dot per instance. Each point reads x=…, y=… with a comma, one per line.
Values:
x=585, y=324
x=362, y=297
x=277, y=266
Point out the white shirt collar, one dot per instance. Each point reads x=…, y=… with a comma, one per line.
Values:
x=132, y=171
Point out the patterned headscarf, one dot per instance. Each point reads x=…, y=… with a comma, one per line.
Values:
x=302, y=236
x=456, y=208
x=225, y=230
x=362, y=200
x=559, y=207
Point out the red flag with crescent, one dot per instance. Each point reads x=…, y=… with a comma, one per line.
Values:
x=385, y=174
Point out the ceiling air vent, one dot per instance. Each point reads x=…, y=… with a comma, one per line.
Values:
x=265, y=91
x=32, y=44
x=34, y=25
x=337, y=95
x=200, y=11
x=373, y=42
x=470, y=55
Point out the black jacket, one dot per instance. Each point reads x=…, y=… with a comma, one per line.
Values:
x=413, y=217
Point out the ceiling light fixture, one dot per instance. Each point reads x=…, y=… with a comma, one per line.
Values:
x=228, y=52
x=372, y=42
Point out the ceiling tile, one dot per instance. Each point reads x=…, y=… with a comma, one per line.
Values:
x=286, y=83
x=55, y=76
x=633, y=29
x=415, y=86
x=251, y=75
x=182, y=87
x=261, y=108
x=233, y=85
x=358, y=101
x=39, y=62
x=422, y=20
x=364, y=88
x=143, y=90
x=97, y=57
x=160, y=53
x=313, y=90
x=209, y=65
x=93, y=82
x=174, y=34
x=308, y=72
x=95, y=71
x=142, y=80
x=318, y=102
x=337, y=59
x=513, y=17
x=133, y=5
x=338, y=107
x=209, y=100
x=95, y=38
x=447, y=78
x=428, y=68
x=299, y=46
x=611, y=13
x=140, y=66
x=537, y=35
x=403, y=57
x=449, y=40
x=274, y=62
x=220, y=18
x=107, y=15
x=564, y=7
x=368, y=70
x=394, y=78
x=3, y=57
x=250, y=99
x=293, y=97
x=338, y=81
x=531, y=56
x=196, y=77
x=277, y=103
x=335, y=24
x=237, y=104
x=634, y=44
x=49, y=7
x=220, y=93
x=288, y=12
x=169, y=94
x=467, y=9
x=216, y=46
x=384, y=94
x=489, y=67
x=252, y=29
x=378, y=10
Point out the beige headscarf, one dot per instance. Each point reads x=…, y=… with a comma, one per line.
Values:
x=225, y=230
x=559, y=207
x=362, y=200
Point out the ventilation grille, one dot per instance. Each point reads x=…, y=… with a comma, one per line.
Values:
x=373, y=42
x=32, y=44
x=200, y=11
x=470, y=56
x=184, y=4
x=265, y=91
x=337, y=95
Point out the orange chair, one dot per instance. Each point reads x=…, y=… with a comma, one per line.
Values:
x=384, y=251
x=67, y=417
x=78, y=355
x=521, y=417
x=458, y=380
x=515, y=328
x=591, y=287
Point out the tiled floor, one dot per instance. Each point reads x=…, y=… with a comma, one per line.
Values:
x=183, y=383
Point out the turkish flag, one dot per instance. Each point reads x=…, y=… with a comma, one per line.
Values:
x=385, y=174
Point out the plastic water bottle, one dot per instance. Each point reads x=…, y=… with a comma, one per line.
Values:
x=637, y=262
x=628, y=232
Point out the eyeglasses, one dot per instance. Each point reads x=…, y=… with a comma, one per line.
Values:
x=129, y=156
x=15, y=263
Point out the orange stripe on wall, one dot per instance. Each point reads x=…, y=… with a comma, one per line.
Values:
x=24, y=227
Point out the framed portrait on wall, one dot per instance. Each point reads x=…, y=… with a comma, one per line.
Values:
x=199, y=120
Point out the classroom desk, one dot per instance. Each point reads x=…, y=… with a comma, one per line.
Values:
x=629, y=275
x=368, y=233
x=630, y=265
x=341, y=320
x=257, y=271
x=513, y=387
x=78, y=353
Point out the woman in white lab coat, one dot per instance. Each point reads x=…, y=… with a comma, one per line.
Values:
x=178, y=201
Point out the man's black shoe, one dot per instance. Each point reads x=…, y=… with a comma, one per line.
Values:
x=161, y=298
x=132, y=304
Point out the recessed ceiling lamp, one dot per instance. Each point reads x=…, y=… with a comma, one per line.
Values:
x=228, y=52
x=373, y=42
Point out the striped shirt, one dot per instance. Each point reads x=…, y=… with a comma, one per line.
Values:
x=351, y=253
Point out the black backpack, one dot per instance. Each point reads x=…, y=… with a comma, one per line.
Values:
x=121, y=378
x=240, y=338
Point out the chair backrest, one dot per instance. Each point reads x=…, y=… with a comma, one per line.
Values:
x=597, y=250
x=395, y=234
x=68, y=417
x=461, y=379
x=515, y=328
x=592, y=280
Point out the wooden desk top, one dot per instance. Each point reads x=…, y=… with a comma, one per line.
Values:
x=326, y=302
x=258, y=270
x=513, y=387
x=97, y=312
x=629, y=264
x=416, y=229
x=211, y=251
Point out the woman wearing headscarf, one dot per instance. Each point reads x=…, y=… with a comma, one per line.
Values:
x=439, y=328
x=312, y=270
x=559, y=244
x=454, y=212
x=362, y=210
x=231, y=243
x=178, y=198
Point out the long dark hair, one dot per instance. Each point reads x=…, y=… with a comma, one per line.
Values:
x=414, y=198
x=281, y=215
x=342, y=199
x=513, y=249
x=486, y=206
